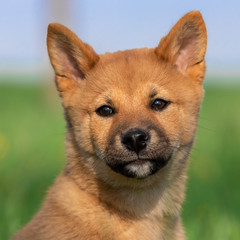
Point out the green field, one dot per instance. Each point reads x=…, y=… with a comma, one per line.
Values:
x=32, y=154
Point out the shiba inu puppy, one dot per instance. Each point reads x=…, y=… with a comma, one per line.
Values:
x=131, y=119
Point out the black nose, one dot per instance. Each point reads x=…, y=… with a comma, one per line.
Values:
x=135, y=140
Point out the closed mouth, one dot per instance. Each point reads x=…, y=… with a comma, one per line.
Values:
x=139, y=168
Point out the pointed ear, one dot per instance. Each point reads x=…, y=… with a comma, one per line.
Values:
x=185, y=46
x=69, y=56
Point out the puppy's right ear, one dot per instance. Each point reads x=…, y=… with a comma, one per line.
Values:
x=185, y=46
x=69, y=56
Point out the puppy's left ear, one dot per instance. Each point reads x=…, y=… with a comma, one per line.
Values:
x=71, y=58
x=185, y=46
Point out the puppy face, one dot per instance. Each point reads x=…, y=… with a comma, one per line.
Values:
x=137, y=114
x=133, y=111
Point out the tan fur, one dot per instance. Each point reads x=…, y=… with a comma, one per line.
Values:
x=91, y=201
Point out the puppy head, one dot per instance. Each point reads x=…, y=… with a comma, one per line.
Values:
x=134, y=111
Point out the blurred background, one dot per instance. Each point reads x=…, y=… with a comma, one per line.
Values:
x=31, y=119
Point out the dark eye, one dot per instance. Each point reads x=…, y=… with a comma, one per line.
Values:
x=105, y=111
x=159, y=104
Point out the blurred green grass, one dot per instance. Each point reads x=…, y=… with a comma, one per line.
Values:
x=32, y=154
